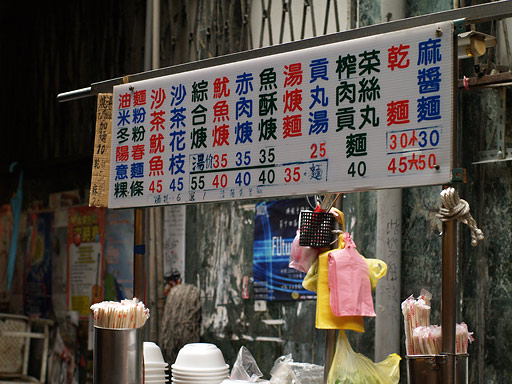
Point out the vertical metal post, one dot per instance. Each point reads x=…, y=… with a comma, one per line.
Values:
x=330, y=337
x=449, y=250
x=449, y=303
x=139, y=262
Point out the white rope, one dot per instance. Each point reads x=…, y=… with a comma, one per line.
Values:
x=455, y=208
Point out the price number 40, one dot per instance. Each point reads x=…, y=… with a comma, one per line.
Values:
x=357, y=169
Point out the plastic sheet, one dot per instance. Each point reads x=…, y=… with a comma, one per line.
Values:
x=286, y=371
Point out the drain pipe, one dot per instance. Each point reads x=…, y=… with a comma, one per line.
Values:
x=387, y=298
x=389, y=243
x=156, y=34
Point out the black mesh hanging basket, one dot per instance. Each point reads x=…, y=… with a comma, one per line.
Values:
x=316, y=229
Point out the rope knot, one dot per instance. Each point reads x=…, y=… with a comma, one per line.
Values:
x=455, y=208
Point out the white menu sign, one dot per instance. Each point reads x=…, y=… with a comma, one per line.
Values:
x=368, y=113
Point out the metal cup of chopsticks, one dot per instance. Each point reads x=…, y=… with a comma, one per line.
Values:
x=118, y=346
x=118, y=356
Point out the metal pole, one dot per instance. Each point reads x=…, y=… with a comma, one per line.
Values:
x=139, y=240
x=330, y=349
x=448, y=304
x=139, y=264
x=330, y=337
x=449, y=256
x=148, y=35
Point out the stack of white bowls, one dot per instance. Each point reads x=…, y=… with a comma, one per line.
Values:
x=199, y=363
x=155, y=367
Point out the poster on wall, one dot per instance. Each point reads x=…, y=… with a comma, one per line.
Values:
x=5, y=238
x=86, y=228
x=38, y=265
x=275, y=226
x=118, y=276
x=367, y=113
x=175, y=219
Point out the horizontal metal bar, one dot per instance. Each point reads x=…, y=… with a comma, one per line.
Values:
x=73, y=95
x=494, y=156
x=499, y=79
x=32, y=335
x=470, y=15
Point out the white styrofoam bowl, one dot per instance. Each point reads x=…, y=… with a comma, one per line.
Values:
x=197, y=370
x=200, y=356
x=202, y=381
x=152, y=353
x=200, y=378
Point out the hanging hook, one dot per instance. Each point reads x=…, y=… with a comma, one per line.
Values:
x=339, y=216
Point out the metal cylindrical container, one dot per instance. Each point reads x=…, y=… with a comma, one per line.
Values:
x=118, y=356
x=428, y=369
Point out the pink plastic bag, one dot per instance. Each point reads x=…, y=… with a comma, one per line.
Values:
x=349, y=282
x=302, y=258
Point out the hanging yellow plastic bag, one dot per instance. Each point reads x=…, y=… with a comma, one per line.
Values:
x=377, y=269
x=350, y=367
x=310, y=281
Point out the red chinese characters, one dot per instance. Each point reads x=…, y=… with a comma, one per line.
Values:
x=292, y=99
x=220, y=132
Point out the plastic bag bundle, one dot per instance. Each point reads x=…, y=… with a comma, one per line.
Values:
x=350, y=367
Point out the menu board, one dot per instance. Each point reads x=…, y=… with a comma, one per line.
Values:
x=362, y=114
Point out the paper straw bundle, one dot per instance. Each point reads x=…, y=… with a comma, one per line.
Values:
x=421, y=338
x=416, y=314
x=462, y=338
x=428, y=340
x=126, y=314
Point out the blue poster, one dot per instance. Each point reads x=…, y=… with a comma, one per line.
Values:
x=275, y=226
x=38, y=265
x=118, y=276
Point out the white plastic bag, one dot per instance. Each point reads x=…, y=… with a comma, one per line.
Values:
x=301, y=258
x=245, y=367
